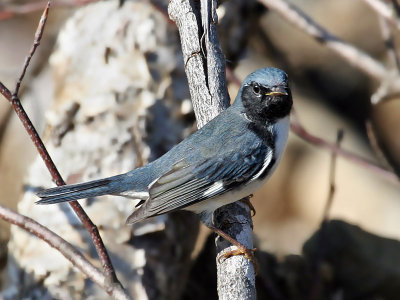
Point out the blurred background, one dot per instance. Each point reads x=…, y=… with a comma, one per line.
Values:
x=329, y=94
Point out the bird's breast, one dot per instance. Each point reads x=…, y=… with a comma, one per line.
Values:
x=271, y=161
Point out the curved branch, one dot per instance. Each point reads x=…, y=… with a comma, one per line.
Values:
x=65, y=248
x=31, y=130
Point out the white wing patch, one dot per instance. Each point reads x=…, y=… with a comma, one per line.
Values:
x=266, y=163
x=135, y=195
x=281, y=129
x=214, y=188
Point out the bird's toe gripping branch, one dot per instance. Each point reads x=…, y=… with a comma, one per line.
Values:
x=241, y=249
x=246, y=201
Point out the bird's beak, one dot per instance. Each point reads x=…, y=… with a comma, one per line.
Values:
x=277, y=91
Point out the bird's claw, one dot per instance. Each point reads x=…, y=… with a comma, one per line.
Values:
x=246, y=252
x=249, y=204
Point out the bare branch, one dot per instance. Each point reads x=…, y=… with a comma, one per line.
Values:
x=205, y=109
x=206, y=78
x=316, y=287
x=389, y=42
x=298, y=129
x=31, y=130
x=92, y=229
x=36, y=43
x=385, y=10
x=65, y=248
x=216, y=79
x=354, y=56
x=332, y=173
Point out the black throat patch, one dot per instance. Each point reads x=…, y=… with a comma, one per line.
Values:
x=263, y=109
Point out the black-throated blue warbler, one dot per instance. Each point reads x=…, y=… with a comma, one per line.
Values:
x=226, y=160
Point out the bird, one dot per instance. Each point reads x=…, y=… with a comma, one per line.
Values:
x=226, y=160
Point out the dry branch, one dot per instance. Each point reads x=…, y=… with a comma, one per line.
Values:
x=385, y=10
x=16, y=103
x=206, y=77
x=66, y=249
x=353, y=55
x=298, y=129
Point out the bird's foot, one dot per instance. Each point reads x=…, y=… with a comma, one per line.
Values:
x=241, y=249
x=249, y=204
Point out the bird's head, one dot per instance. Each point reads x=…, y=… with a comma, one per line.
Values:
x=265, y=96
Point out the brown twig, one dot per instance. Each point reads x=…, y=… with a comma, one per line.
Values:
x=316, y=287
x=65, y=248
x=16, y=103
x=36, y=43
x=353, y=55
x=298, y=129
x=332, y=172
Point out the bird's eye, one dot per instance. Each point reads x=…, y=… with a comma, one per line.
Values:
x=256, y=89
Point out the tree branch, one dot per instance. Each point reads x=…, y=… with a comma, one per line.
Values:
x=207, y=84
x=353, y=55
x=385, y=10
x=36, y=43
x=31, y=130
x=389, y=42
x=298, y=129
x=66, y=249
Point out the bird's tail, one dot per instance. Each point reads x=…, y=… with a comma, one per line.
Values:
x=112, y=185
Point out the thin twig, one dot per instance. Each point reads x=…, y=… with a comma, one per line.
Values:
x=332, y=172
x=388, y=39
x=353, y=55
x=298, y=129
x=65, y=248
x=385, y=10
x=87, y=223
x=316, y=287
x=36, y=43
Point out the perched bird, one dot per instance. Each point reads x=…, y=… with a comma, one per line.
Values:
x=226, y=160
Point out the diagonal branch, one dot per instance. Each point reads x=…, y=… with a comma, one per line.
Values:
x=317, y=282
x=385, y=10
x=65, y=248
x=353, y=55
x=36, y=43
x=298, y=129
x=20, y=111
x=388, y=39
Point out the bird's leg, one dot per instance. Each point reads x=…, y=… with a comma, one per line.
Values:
x=246, y=201
x=241, y=249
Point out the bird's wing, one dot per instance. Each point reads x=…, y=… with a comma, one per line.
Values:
x=190, y=181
